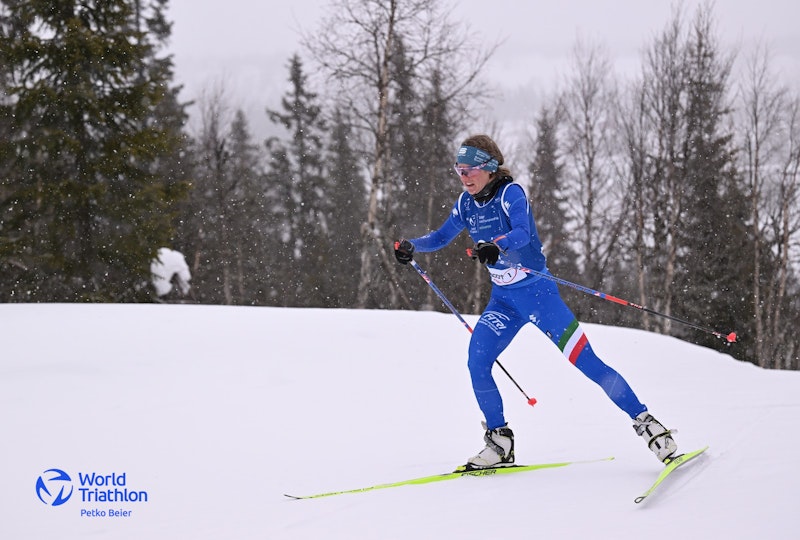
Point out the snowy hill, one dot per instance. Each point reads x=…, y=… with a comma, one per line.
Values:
x=202, y=417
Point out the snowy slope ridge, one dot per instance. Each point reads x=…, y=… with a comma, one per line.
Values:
x=177, y=422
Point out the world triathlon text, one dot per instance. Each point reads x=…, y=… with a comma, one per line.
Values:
x=108, y=488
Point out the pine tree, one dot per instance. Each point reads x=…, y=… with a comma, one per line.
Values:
x=84, y=208
x=550, y=209
x=436, y=189
x=688, y=219
x=348, y=204
x=301, y=189
x=548, y=201
x=223, y=225
x=251, y=240
x=716, y=257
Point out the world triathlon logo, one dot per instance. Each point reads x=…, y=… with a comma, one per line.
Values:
x=54, y=487
x=98, y=494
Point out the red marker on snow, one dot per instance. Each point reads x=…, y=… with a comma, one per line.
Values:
x=532, y=401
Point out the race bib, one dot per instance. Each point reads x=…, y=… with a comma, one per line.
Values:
x=505, y=276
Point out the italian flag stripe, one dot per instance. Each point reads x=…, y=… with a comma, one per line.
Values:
x=572, y=341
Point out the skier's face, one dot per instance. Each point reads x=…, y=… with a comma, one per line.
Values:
x=474, y=179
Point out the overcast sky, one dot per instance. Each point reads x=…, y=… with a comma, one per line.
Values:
x=246, y=44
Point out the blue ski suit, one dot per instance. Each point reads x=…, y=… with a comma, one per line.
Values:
x=518, y=298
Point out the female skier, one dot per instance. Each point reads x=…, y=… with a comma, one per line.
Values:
x=496, y=213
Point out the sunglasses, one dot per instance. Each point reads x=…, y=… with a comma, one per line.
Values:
x=465, y=170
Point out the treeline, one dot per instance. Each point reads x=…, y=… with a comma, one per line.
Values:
x=676, y=190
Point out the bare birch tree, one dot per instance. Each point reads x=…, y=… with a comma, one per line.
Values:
x=355, y=51
x=763, y=136
x=635, y=131
x=655, y=124
x=770, y=158
x=786, y=234
x=595, y=193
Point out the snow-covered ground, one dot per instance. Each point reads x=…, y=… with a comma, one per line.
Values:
x=208, y=415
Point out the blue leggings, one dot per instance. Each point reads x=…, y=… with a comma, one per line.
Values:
x=540, y=303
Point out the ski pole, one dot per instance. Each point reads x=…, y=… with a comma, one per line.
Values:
x=730, y=338
x=443, y=298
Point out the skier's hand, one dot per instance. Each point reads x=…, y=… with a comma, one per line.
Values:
x=486, y=252
x=403, y=251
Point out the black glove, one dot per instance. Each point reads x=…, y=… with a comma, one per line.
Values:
x=403, y=251
x=486, y=252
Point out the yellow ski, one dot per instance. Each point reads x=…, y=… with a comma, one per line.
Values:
x=672, y=465
x=452, y=475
